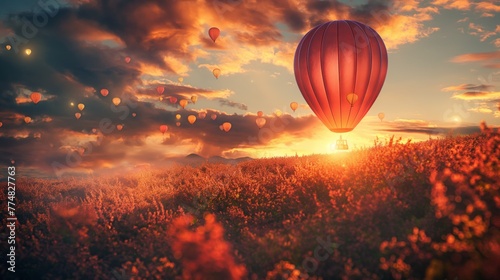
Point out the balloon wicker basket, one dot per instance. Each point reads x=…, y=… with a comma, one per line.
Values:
x=341, y=144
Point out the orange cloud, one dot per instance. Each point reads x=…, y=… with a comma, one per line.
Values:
x=478, y=95
x=453, y=4
x=473, y=57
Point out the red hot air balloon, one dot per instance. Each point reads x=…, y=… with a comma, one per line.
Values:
x=340, y=68
x=214, y=33
x=163, y=128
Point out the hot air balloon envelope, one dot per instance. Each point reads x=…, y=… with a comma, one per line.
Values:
x=216, y=72
x=226, y=126
x=160, y=89
x=214, y=33
x=336, y=59
x=163, y=128
x=294, y=106
x=191, y=119
x=260, y=114
x=81, y=106
x=104, y=92
x=260, y=122
x=183, y=103
x=35, y=97
x=116, y=101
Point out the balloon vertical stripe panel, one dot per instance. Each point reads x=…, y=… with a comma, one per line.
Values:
x=336, y=60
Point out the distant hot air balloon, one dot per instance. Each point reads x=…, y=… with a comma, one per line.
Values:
x=134, y=114
x=8, y=47
x=216, y=72
x=381, y=116
x=94, y=130
x=81, y=106
x=260, y=122
x=191, y=119
x=213, y=116
x=116, y=101
x=214, y=33
x=163, y=128
x=340, y=67
x=27, y=119
x=78, y=115
x=160, y=89
x=294, y=106
x=161, y=98
x=202, y=115
x=180, y=79
x=178, y=124
x=352, y=98
x=119, y=127
x=278, y=113
x=226, y=126
x=1, y=124
x=173, y=99
x=28, y=51
x=35, y=97
x=104, y=92
x=260, y=114
x=127, y=59
x=194, y=98
x=183, y=103
x=221, y=127
x=178, y=116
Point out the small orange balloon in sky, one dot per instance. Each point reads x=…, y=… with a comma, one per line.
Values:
x=35, y=97
x=178, y=124
x=163, y=128
x=260, y=122
x=194, y=98
x=78, y=115
x=28, y=51
x=160, y=89
x=119, y=127
x=116, y=101
x=104, y=92
x=173, y=99
x=178, y=116
x=226, y=126
x=8, y=47
x=278, y=113
x=216, y=73
x=294, y=106
x=260, y=114
x=127, y=59
x=213, y=116
x=221, y=127
x=214, y=33
x=180, y=79
x=1, y=124
x=134, y=114
x=94, y=130
x=183, y=103
x=27, y=119
x=202, y=115
x=191, y=119
x=81, y=106
x=381, y=116
x=352, y=98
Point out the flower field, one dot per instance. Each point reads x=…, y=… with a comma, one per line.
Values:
x=428, y=210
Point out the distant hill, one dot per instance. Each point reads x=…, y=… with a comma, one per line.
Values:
x=196, y=160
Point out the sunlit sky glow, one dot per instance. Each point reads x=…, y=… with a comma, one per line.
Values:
x=444, y=74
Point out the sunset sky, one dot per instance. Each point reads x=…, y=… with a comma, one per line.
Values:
x=444, y=74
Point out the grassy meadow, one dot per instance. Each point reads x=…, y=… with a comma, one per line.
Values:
x=428, y=210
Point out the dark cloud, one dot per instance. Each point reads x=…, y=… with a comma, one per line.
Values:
x=469, y=87
x=229, y=103
x=462, y=130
